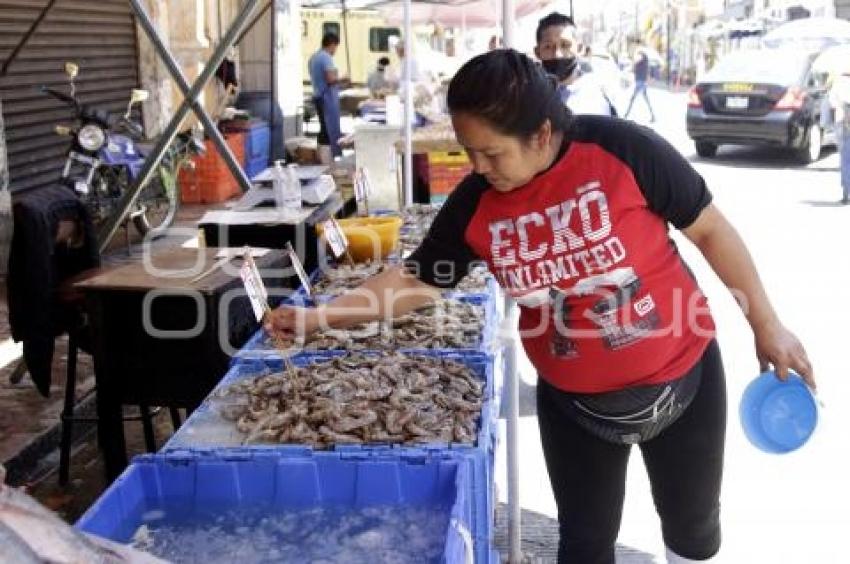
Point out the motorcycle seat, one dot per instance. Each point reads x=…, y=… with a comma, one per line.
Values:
x=144, y=148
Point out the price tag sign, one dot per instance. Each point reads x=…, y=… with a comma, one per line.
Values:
x=254, y=286
x=335, y=237
x=367, y=181
x=299, y=268
x=362, y=190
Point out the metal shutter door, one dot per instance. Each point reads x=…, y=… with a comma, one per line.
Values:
x=100, y=36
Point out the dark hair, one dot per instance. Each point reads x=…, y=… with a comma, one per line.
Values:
x=552, y=20
x=330, y=38
x=510, y=91
x=384, y=61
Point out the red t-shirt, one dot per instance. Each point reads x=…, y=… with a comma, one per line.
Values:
x=606, y=300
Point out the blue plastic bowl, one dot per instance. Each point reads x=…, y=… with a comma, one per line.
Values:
x=777, y=416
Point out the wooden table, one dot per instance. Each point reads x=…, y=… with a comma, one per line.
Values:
x=161, y=339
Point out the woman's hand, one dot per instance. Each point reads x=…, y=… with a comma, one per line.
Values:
x=778, y=347
x=290, y=323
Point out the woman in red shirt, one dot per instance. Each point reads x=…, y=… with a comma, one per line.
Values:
x=571, y=215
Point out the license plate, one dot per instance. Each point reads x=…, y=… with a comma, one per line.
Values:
x=738, y=87
x=737, y=102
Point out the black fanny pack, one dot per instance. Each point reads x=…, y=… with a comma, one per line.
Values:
x=632, y=415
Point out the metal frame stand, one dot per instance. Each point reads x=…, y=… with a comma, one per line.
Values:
x=190, y=103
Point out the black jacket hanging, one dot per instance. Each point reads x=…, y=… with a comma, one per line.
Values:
x=37, y=267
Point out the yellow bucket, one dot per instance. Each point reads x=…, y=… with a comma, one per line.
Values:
x=369, y=238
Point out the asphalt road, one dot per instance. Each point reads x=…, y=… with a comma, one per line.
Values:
x=775, y=508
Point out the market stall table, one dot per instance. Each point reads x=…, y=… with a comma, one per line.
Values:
x=163, y=337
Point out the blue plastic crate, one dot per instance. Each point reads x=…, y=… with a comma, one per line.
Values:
x=206, y=431
x=257, y=138
x=491, y=288
x=253, y=167
x=259, y=346
x=191, y=486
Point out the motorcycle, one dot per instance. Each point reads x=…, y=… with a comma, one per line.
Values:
x=107, y=156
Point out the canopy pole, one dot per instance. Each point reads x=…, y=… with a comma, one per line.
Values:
x=408, y=106
x=511, y=376
x=508, y=9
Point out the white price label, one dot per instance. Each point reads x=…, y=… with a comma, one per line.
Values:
x=335, y=237
x=359, y=187
x=254, y=287
x=362, y=191
x=299, y=269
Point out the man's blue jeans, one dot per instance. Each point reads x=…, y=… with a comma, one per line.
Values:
x=640, y=88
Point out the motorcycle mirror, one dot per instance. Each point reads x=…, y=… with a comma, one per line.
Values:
x=62, y=130
x=138, y=95
x=72, y=69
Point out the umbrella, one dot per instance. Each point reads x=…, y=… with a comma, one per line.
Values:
x=459, y=13
x=812, y=33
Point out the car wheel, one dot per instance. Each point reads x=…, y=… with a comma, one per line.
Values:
x=706, y=149
x=810, y=151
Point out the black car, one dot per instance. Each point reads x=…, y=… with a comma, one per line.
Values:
x=761, y=97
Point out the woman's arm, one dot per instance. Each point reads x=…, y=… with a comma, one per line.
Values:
x=727, y=254
x=389, y=294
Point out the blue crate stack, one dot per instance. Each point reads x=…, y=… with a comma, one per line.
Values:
x=205, y=460
x=205, y=431
x=257, y=143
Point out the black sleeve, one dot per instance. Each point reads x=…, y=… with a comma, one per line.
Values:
x=444, y=257
x=671, y=186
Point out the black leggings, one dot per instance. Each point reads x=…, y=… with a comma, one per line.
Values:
x=685, y=466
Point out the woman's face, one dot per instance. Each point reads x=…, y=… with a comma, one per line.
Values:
x=505, y=161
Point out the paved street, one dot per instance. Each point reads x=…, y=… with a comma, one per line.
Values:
x=776, y=509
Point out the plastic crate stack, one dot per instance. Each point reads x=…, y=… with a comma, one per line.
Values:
x=210, y=181
x=445, y=171
x=207, y=466
x=257, y=136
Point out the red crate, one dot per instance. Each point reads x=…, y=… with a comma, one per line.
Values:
x=211, y=181
x=446, y=170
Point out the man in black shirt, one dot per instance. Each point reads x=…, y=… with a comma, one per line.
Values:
x=641, y=70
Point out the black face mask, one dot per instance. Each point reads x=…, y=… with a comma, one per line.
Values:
x=561, y=68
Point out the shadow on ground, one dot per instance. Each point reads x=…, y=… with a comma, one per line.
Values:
x=762, y=158
x=540, y=540
x=825, y=203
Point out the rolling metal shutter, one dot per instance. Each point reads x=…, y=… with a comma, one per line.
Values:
x=98, y=35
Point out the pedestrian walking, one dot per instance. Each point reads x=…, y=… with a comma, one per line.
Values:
x=839, y=98
x=641, y=72
x=326, y=82
x=571, y=215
